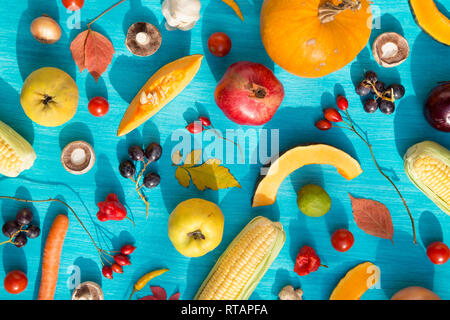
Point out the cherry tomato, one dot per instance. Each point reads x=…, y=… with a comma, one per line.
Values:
x=342, y=240
x=98, y=106
x=73, y=5
x=438, y=252
x=15, y=282
x=219, y=44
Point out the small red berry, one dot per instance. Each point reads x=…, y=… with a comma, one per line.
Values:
x=332, y=115
x=342, y=102
x=323, y=125
x=342, y=240
x=127, y=249
x=195, y=127
x=107, y=272
x=122, y=260
x=116, y=268
x=438, y=252
x=205, y=121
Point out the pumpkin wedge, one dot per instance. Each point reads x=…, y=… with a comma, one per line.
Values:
x=159, y=90
x=431, y=20
x=295, y=158
x=356, y=282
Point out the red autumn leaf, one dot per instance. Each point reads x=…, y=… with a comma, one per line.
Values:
x=159, y=293
x=372, y=217
x=93, y=51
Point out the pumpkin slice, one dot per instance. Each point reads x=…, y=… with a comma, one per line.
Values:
x=159, y=90
x=295, y=158
x=356, y=282
x=431, y=20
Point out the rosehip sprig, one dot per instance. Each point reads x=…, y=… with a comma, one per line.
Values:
x=332, y=115
x=203, y=123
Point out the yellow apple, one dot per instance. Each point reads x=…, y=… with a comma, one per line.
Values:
x=196, y=227
x=49, y=97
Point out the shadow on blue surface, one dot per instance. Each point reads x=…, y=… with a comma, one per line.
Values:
x=89, y=270
x=74, y=132
x=396, y=269
x=12, y=113
x=32, y=55
x=96, y=89
x=430, y=229
x=246, y=42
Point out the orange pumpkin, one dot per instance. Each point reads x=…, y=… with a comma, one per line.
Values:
x=313, y=38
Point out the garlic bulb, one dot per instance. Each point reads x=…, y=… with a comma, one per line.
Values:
x=181, y=14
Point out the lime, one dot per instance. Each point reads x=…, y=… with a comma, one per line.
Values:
x=313, y=200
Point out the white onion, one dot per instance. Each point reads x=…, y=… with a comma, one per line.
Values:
x=45, y=30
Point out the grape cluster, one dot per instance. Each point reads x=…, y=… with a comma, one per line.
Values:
x=383, y=97
x=151, y=154
x=20, y=229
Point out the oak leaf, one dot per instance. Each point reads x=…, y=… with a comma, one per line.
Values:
x=92, y=51
x=372, y=217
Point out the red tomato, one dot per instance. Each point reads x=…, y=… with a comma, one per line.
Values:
x=219, y=44
x=15, y=282
x=438, y=252
x=342, y=240
x=98, y=106
x=73, y=5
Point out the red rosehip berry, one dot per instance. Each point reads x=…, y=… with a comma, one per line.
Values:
x=195, y=127
x=332, y=115
x=122, y=260
x=127, y=249
x=107, y=272
x=205, y=121
x=342, y=102
x=323, y=125
x=117, y=268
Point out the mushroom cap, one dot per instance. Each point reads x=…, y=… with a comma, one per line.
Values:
x=390, y=49
x=143, y=39
x=87, y=291
x=78, y=157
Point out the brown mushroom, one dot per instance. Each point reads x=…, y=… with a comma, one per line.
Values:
x=143, y=39
x=390, y=49
x=87, y=291
x=78, y=157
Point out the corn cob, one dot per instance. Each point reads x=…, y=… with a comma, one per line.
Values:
x=245, y=261
x=427, y=165
x=16, y=154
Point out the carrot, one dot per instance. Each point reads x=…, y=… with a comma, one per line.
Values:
x=52, y=256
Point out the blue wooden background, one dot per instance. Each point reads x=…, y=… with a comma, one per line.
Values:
x=402, y=264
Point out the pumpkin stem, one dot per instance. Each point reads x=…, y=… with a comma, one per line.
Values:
x=328, y=11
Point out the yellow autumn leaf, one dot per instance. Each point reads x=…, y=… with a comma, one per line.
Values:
x=213, y=176
x=183, y=177
x=193, y=158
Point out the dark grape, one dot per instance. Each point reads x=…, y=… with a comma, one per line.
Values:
x=386, y=106
x=10, y=227
x=24, y=216
x=399, y=90
x=370, y=106
x=380, y=86
x=152, y=180
x=362, y=89
x=371, y=76
x=153, y=152
x=33, y=232
x=136, y=153
x=20, y=240
x=127, y=169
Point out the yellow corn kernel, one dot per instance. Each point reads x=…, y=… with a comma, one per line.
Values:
x=244, y=262
x=435, y=175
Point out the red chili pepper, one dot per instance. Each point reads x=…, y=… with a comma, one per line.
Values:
x=307, y=261
x=111, y=209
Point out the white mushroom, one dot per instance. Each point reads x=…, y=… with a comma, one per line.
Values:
x=181, y=14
